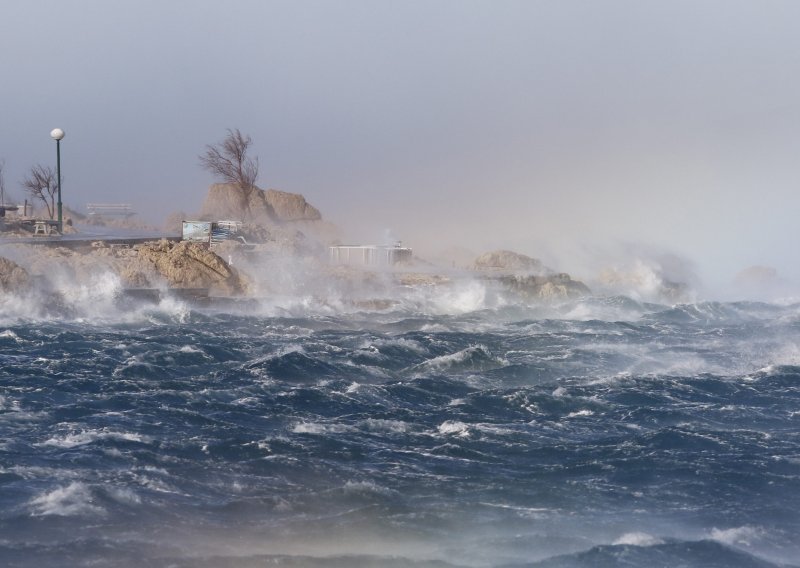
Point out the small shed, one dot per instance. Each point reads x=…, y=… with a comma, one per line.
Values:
x=211, y=232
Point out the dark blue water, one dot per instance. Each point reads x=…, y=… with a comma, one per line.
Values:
x=603, y=433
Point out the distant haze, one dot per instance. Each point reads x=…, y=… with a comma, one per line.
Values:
x=552, y=128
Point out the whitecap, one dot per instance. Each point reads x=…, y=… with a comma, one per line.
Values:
x=743, y=535
x=580, y=413
x=84, y=437
x=454, y=427
x=74, y=499
x=316, y=428
x=638, y=539
x=124, y=495
x=381, y=425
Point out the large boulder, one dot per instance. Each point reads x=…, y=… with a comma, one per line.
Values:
x=185, y=265
x=231, y=201
x=13, y=278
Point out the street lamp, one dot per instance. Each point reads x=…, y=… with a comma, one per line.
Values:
x=57, y=134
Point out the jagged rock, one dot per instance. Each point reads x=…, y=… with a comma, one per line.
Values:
x=13, y=278
x=551, y=287
x=186, y=265
x=506, y=260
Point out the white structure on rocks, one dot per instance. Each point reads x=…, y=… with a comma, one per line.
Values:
x=369, y=255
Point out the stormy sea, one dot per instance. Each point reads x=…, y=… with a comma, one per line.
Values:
x=444, y=432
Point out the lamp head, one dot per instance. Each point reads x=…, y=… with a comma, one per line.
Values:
x=57, y=134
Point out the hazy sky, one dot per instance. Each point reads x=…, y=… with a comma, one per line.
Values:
x=538, y=126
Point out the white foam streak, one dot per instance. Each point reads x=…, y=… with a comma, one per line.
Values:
x=89, y=436
x=454, y=428
x=72, y=500
x=742, y=536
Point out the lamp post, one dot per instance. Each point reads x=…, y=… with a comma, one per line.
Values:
x=57, y=134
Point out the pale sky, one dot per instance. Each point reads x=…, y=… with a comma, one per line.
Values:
x=538, y=126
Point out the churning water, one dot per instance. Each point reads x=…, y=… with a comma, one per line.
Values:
x=604, y=432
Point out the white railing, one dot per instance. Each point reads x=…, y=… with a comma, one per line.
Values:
x=124, y=209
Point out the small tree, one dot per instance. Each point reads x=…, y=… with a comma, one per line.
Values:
x=229, y=161
x=41, y=183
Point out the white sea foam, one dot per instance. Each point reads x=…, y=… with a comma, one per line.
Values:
x=580, y=413
x=366, y=488
x=380, y=425
x=317, y=428
x=476, y=357
x=72, y=500
x=742, y=536
x=124, y=495
x=84, y=437
x=454, y=428
x=638, y=539
x=459, y=298
x=525, y=512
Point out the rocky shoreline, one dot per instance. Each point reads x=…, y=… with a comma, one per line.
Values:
x=282, y=251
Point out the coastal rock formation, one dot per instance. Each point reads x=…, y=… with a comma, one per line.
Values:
x=551, y=287
x=183, y=265
x=290, y=206
x=508, y=261
x=13, y=278
x=279, y=219
x=230, y=201
x=528, y=278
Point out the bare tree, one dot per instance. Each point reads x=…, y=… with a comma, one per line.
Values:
x=229, y=161
x=41, y=183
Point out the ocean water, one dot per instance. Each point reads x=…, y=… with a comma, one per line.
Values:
x=446, y=432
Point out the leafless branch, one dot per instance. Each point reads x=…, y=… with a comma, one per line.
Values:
x=229, y=160
x=41, y=183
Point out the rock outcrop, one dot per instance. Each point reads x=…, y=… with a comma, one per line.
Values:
x=508, y=261
x=182, y=265
x=551, y=287
x=528, y=278
x=13, y=278
x=290, y=206
x=230, y=201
